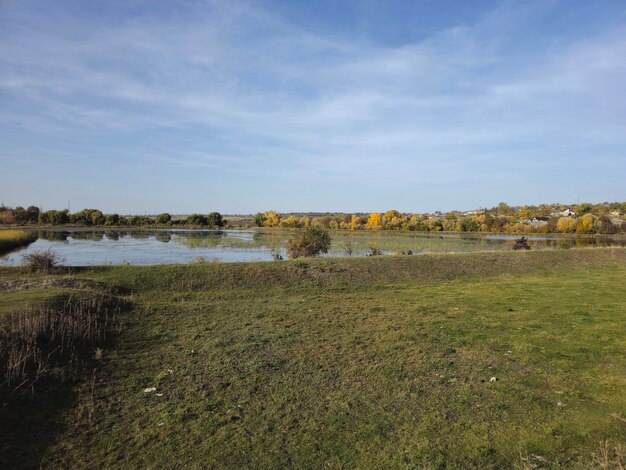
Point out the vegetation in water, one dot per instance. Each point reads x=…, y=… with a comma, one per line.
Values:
x=521, y=244
x=312, y=242
x=12, y=239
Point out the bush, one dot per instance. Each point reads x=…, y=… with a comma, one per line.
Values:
x=375, y=251
x=521, y=244
x=54, y=217
x=214, y=219
x=259, y=219
x=163, y=219
x=197, y=219
x=42, y=261
x=311, y=242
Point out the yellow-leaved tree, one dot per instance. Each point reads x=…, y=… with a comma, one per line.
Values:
x=565, y=225
x=374, y=221
x=393, y=220
x=271, y=219
x=586, y=224
x=292, y=222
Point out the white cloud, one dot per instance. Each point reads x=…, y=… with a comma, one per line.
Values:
x=266, y=91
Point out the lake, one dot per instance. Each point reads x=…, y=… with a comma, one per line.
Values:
x=145, y=247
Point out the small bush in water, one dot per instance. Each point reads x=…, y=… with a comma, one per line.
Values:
x=311, y=242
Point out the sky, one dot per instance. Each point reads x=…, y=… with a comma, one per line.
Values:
x=145, y=106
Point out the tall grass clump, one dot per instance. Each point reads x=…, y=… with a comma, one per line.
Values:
x=45, y=343
x=42, y=262
x=12, y=239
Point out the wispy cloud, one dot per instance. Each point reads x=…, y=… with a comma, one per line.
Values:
x=251, y=90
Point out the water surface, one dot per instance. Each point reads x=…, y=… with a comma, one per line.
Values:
x=146, y=247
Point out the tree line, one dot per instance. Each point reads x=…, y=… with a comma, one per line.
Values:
x=93, y=217
x=585, y=218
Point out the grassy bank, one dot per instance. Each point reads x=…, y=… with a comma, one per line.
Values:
x=12, y=239
x=507, y=360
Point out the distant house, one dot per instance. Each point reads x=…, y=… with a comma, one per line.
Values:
x=565, y=213
x=536, y=221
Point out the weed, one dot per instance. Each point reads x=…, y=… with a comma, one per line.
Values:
x=43, y=262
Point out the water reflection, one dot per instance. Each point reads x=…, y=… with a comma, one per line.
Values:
x=97, y=247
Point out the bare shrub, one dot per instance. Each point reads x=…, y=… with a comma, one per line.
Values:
x=42, y=262
x=348, y=248
x=521, y=244
x=375, y=251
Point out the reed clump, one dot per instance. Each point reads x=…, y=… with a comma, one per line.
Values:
x=45, y=342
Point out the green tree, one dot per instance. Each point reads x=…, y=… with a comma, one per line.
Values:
x=20, y=215
x=197, y=219
x=97, y=217
x=112, y=219
x=32, y=214
x=259, y=219
x=54, y=217
x=88, y=217
x=214, y=219
x=163, y=219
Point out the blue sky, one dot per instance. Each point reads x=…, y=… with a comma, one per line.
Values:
x=239, y=106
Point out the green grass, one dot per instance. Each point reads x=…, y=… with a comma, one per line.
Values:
x=350, y=363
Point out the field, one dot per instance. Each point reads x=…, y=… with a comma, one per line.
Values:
x=481, y=360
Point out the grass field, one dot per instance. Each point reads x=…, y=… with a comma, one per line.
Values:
x=488, y=360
